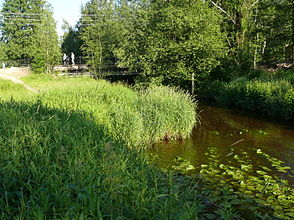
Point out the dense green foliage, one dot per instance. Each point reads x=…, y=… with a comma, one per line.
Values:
x=3, y=56
x=45, y=49
x=271, y=95
x=28, y=32
x=275, y=30
x=176, y=42
x=71, y=41
x=167, y=41
x=101, y=27
x=17, y=29
x=256, y=31
x=172, y=40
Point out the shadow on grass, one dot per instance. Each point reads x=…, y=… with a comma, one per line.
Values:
x=44, y=153
x=60, y=164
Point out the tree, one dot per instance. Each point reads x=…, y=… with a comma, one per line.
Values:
x=45, y=46
x=239, y=26
x=101, y=28
x=71, y=41
x=257, y=31
x=29, y=32
x=276, y=29
x=19, y=22
x=173, y=41
x=3, y=56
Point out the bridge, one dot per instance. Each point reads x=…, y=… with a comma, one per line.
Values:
x=71, y=68
x=112, y=74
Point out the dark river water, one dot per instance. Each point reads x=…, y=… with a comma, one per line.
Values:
x=232, y=133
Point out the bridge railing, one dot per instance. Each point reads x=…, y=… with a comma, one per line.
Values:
x=15, y=63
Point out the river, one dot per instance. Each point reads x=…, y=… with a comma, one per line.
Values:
x=231, y=135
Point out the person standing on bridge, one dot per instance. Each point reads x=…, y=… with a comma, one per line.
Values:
x=72, y=58
x=64, y=59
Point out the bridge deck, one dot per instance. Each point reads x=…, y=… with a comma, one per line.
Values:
x=66, y=68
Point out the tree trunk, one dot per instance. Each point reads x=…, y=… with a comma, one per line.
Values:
x=292, y=31
x=193, y=84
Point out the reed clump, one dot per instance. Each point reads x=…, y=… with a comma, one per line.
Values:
x=134, y=117
x=166, y=113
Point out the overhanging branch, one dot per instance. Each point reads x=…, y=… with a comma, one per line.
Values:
x=216, y=5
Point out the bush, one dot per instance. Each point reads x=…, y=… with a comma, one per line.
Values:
x=268, y=97
x=210, y=90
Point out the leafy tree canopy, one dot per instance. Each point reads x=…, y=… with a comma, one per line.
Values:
x=71, y=41
x=171, y=40
x=101, y=26
x=29, y=32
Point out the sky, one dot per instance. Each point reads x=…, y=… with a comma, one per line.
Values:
x=68, y=10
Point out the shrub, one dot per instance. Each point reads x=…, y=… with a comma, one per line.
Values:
x=272, y=98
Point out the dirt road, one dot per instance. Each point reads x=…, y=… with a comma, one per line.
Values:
x=14, y=74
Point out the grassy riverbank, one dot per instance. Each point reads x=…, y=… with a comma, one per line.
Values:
x=136, y=117
x=63, y=164
x=74, y=151
x=268, y=94
x=67, y=153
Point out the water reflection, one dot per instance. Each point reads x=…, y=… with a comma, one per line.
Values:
x=231, y=133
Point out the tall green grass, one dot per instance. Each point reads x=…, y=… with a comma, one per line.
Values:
x=166, y=113
x=134, y=117
x=269, y=95
x=66, y=153
x=45, y=82
x=9, y=90
x=60, y=164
